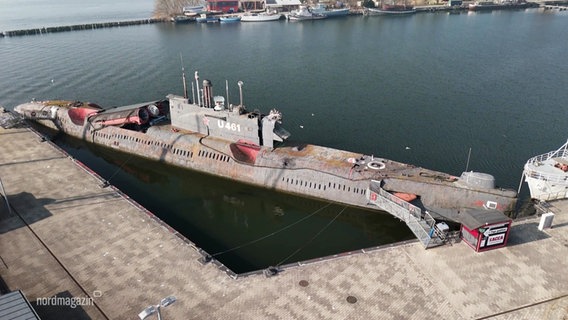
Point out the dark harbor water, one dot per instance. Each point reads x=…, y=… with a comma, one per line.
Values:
x=421, y=89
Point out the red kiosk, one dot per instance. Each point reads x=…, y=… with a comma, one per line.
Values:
x=484, y=230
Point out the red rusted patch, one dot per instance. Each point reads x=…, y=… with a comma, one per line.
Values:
x=245, y=151
x=478, y=203
x=78, y=115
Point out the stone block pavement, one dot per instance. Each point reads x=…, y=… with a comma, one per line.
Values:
x=68, y=237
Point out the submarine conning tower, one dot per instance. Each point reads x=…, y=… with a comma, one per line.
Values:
x=477, y=180
x=210, y=116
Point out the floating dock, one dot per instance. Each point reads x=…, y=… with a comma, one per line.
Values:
x=65, y=235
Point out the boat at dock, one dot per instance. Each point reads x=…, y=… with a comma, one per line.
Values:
x=260, y=17
x=330, y=13
x=208, y=134
x=192, y=11
x=182, y=19
x=547, y=175
x=491, y=5
x=205, y=18
x=229, y=19
x=304, y=13
x=390, y=9
x=262, y=14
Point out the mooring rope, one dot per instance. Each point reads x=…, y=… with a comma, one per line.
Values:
x=270, y=234
x=312, y=239
x=107, y=181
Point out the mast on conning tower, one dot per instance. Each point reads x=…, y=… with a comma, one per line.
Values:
x=183, y=77
x=197, y=85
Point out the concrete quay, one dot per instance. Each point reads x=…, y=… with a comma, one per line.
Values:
x=66, y=236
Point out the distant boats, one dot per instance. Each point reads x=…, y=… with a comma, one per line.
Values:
x=229, y=19
x=304, y=13
x=330, y=13
x=491, y=5
x=390, y=9
x=204, y=18
x=194, y=11
x=182, y=19
x=260, y=17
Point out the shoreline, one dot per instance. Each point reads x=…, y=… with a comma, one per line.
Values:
x=353, y=12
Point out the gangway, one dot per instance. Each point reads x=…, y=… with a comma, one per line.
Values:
x=420, y=222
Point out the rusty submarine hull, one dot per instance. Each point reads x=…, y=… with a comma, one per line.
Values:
x=206, y=135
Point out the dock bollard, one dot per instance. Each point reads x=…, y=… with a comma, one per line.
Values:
x=271, y=271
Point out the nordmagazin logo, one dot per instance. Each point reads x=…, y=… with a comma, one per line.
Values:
x=71, y=302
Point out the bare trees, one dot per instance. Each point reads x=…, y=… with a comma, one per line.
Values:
x=168, y=8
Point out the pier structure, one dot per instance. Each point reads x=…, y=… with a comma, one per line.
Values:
x=555, y=7
x=65, y=235
x=86, y=26
x=560, y=5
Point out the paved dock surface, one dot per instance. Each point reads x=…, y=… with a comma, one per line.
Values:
x=66, y=236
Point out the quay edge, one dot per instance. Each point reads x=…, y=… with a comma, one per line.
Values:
x=114, y=254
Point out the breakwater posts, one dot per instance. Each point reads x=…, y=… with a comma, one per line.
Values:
x=87, y=26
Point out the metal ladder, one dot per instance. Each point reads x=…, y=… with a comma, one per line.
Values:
x=419, y=222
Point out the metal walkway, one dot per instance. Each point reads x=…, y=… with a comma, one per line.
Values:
x=420, y=223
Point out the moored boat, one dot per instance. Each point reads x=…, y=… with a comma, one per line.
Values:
x=547, y=174
x=182, y=19
x=229, y=19
x=204, y=18
x=491, y=5
x=482, y=5
x=388, y=9
x=208, y=134
x=330, y=13
x=304, y=13
x=194, y=10
x=260, y=17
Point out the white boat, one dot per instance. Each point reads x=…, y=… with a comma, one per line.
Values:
x=304, y=13
x=330, y=13
x=260, y=17
x=194, y=11
x=387, y=9
x=547, y=174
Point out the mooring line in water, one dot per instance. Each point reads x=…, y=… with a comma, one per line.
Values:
x=107, y=181
x=270, y=234
x=312, y=239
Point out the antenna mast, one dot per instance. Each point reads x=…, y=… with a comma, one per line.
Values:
x=227, y=90
x=183, y=76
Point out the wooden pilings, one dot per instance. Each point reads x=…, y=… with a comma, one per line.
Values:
x=87, y=26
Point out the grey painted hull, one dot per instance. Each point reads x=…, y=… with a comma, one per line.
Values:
x=302, y=169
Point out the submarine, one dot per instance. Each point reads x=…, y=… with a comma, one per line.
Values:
x=210, y=135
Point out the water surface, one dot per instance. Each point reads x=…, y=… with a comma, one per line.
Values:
x=422, y=89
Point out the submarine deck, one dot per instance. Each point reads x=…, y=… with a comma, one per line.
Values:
x=67, y=236
x=294, y=155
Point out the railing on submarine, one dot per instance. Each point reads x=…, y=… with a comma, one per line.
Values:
x=419, y=222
